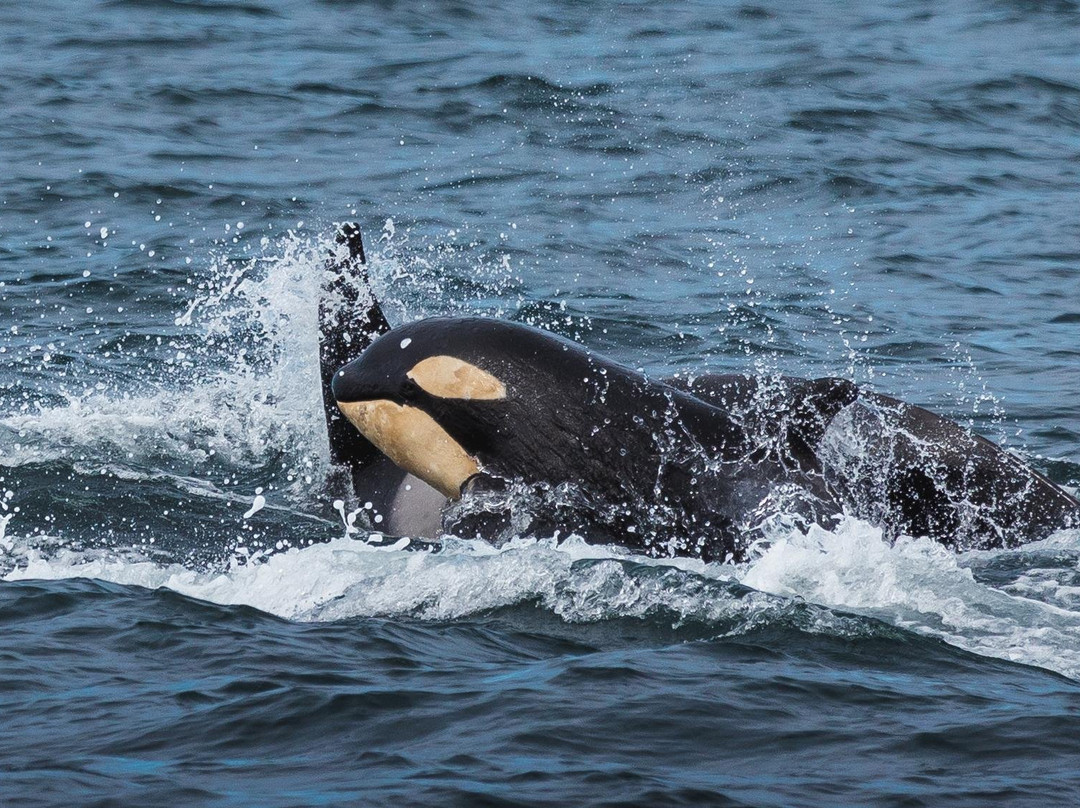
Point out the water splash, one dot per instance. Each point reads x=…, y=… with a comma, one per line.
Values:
x=819, y=581
x=241, y=399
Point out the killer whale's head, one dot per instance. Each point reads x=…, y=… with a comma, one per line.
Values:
x=447, y=397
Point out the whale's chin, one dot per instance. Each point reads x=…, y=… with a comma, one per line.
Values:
x=414, y=442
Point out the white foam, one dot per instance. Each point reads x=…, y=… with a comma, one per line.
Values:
x=5, y=544
x=921, y=586
x=915, y=584
x=348, y=578
x=257, y=505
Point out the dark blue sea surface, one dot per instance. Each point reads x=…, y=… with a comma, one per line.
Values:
x=886, y=192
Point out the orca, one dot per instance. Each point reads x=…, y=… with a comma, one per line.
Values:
x=506, y=428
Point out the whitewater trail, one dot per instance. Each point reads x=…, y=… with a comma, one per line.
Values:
x=820, y=576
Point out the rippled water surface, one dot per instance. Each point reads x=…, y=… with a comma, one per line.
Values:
x=881, y=191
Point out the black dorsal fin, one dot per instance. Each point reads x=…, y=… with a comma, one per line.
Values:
x=350, y=318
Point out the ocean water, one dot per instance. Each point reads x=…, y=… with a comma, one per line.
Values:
x=881, y=191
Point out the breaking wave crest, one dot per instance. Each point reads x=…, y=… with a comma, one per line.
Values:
x=846, y=583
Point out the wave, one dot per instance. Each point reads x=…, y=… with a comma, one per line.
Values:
x=844, y=583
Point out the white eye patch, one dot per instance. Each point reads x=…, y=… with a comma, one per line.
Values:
x=450, y=377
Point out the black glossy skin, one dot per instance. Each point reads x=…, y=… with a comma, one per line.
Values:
x=582, y=444
x=683, y=471
x=612, y=453
x=917, y=473
x=912, y=472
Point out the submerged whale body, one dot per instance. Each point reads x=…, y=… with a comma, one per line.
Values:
x=504, y=428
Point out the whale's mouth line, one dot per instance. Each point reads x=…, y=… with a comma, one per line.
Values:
x=414, y=441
